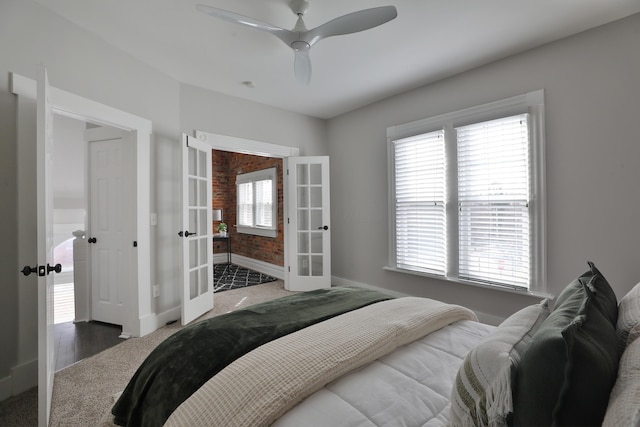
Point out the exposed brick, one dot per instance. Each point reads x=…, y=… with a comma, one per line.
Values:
x=226, y=166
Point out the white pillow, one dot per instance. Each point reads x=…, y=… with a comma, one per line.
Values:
x=624, y=406
x=629, y=316
x=481, y=394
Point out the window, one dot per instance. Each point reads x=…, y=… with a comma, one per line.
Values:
x=257, y=203
x=467, y=201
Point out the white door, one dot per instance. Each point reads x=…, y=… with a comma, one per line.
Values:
x=44, y=161
x=112, y=220
x=309, y=251
x=196, y=233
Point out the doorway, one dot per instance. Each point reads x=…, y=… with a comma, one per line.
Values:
x=83, y=198
x=70, y=206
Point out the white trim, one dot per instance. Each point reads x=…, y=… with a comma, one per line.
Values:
x=5, y=387
x=71, y=105
x=276, y=271
x=270, y=174
x=247, y=146
x=24, y=376
x=151, y=322
x=500, y=108
x=517, y=291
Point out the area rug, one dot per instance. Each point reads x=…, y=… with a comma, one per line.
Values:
x=231, y=276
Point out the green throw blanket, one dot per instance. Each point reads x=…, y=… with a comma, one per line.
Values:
x=189, y=358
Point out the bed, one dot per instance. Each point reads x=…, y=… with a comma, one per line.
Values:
x=375, y=360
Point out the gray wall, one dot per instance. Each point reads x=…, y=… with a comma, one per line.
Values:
x=592, y=94
x=82, y=64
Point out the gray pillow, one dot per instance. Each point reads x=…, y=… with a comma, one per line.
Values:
x=570, y=366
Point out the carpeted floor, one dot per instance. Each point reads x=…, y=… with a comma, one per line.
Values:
x=84, y=393
x=231, y=276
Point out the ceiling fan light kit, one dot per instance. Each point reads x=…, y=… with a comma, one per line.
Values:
x=299, y=39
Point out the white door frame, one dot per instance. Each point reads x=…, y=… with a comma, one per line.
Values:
x=258, y=148
x=77, y=107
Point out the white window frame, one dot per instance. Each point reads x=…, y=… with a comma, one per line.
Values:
x=252, y=177
x=532, y=103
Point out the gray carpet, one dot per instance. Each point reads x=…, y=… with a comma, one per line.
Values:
x=84, y=393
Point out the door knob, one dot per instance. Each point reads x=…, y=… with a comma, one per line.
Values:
x=92, y=240
x=57, y=268
x=326, y=227
x=28, y=270
x=186, y=234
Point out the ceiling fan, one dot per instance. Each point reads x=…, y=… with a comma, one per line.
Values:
x=300, y=39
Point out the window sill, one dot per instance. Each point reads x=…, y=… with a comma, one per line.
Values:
x=258, y=231
x=534, y=294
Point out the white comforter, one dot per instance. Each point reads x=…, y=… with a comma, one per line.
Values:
x=409, y=387
x=412, y=383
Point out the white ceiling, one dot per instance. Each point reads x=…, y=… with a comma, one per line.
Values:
x=429, y=40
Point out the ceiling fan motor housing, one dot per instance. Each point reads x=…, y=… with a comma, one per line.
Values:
x=299, y=7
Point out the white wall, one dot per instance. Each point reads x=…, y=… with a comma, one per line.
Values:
x=69, y=153
x=592, y=91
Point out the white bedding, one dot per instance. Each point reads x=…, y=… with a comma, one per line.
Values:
x=409, y=387
x=259, y=387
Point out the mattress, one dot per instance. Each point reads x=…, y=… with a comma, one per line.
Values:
x=408, y=387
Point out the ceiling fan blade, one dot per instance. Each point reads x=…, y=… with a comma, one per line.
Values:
x=302, y=66
x=352, y=23
x=284, y=35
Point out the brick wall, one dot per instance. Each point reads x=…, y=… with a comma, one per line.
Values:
x=226, y=166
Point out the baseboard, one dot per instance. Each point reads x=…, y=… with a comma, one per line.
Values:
x=259, y=266
x=152, y=322
x=489, y=319
x=5, y=388
x=22, y=378
x=25, y=376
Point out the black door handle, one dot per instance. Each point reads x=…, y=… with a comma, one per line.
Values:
x=57, y=268
x=186, y=234
x=92, y=240
x=326, y=227
x=28, y=270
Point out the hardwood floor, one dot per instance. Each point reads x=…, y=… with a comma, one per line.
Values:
x=74, y=342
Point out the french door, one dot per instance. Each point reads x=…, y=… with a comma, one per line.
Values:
x=196, y=233
x=309, y=237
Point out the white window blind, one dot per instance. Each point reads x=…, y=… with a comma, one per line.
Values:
x=245, y=204
x=264, y=203
x=420, y=202
x=493, y=200
x=257, y=202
